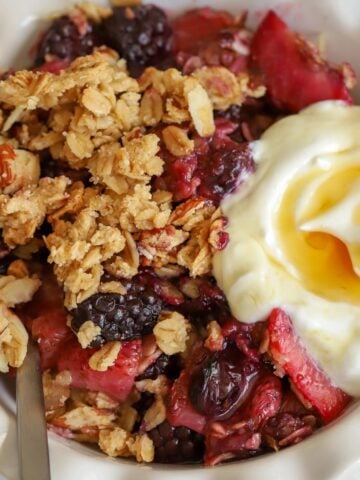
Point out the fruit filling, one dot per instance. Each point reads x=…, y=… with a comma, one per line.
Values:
x=122, y=146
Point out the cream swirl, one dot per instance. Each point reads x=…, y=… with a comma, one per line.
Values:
x=295, y=235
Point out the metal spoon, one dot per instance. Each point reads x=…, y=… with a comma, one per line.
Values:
x=33, y=451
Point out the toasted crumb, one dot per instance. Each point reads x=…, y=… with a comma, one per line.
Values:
x=172, y=332
x=105, y=357
x=87, y=333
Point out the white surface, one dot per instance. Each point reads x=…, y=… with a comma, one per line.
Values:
x=269, y=261
x=333, y=454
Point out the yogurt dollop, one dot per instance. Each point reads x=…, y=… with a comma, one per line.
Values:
x=295, y=236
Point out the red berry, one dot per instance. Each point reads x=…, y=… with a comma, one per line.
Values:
x=265, y=401
x=54, y=66
x=222, y=383
x=211, y=37
x=45, y=316
x=293, y=72
x=52, y=333
x=197, y=27
x=117, y=381
x=240, y=435
x=214, y=169
x=180, y=412
x=286, y=429
x=312, y=383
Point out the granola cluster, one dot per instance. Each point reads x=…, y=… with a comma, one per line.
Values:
x=103, y=221
x=95, y=417
x=16, y=287
x=94, y=116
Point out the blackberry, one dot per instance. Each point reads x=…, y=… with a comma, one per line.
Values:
x=215, y=168
x=204, y=301
x=223, y=170
x=120, y=317
x=140, y=34
x=222, y=383
x=176, y=444
x=66, y=40
x=164, y=365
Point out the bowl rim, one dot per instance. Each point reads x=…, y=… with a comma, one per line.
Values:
x=328, y=454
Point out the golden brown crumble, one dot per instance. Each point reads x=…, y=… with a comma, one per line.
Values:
x=87, y=333
x=13, y=339
x=183, y=99
x=155, y=415
x=177, y=141
x=118, y=442
x=18, y=269
x=105, y=358
x=22, y=213
x=94, y=116
x=15, y=290
x=121, y=168
x=22, y=171
x=85, y=416
x=172, y=332
x=56, y=389
x=159, y=387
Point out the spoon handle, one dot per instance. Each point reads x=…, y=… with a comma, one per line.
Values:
x=33, y=451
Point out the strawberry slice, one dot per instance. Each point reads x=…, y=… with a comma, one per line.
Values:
x=293, y=72
x=117, y=381
x=197, y=27
x=180, y=412
x=45, y=318
x=240, y=435
x=51, y=332
x=313, y=384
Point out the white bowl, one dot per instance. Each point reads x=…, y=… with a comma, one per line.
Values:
x=332, y=453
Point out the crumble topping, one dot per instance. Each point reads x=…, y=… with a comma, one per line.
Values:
x=197, y=254
x=13, y=339
x=183, y=99
x=127, y=416
x=155, y=415
x=18, y=169
x=159, y=386
x=121, y=168
x=172, y=332
x=120, y=179
x=105, y=357
x=177, y=141
x=126, y=264
x=56, y=390
x=87, y=333
x=94, y=102
x=85, y=417
x=120, y=443
x=14, y=290
x=92, y=108
x=22, y=213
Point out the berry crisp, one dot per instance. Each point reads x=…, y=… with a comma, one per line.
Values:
x=117, y=146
